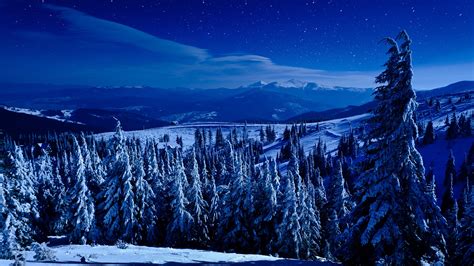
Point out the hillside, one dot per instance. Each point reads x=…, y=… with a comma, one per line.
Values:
x=455, y=89
x=24, y=121
x=330, y=132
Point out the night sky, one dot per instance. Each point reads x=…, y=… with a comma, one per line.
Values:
x=213, y=44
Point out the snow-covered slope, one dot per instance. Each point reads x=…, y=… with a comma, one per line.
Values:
x=65, y=114
x=330, y=132
x=72, y=254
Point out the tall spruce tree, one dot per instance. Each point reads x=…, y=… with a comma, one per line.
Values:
x=449, y=209
x=8, y=242
x=179, y=228
x=118, y=204
x=465, y=248
x=21, y=197
x=430, y=135
x=395, y=221
x=337, y=195
x=266, y=204
x=197, y=205
x=81, y=202
x=289, y=233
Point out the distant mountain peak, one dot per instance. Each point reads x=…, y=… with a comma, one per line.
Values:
x=291, y=83
x=257, y=84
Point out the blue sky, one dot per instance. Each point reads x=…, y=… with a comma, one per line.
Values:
x=213, y=44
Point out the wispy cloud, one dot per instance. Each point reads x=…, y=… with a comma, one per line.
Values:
x=95, y=51
x=104, y=30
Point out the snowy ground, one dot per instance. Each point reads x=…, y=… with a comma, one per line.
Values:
x=139, y=255
x=329, y=132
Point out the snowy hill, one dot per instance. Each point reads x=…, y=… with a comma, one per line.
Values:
x=94, y=120
x=455, y=88
x=72, y=254
x=330, y=132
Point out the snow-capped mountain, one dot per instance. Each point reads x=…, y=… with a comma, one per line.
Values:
x=302, y=85
x=260, y=101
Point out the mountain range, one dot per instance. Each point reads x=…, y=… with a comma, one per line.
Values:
x=275, y=101
x=138, y=107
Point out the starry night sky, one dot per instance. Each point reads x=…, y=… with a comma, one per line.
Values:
x=230, y=43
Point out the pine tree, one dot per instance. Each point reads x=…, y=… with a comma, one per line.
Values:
x=95, y=172
x=214, y=209
x=453, y=128
x=310, y=224
x=179, y=229
x=60, y=204
x=449, y=209
x=118, y=204
x=82, y=203
x=45, y=195
x=430, y=183
x=337, y=195
x=465, y=248
x=21, y=199
x=197, y=205
x=232, y=231
x=332, y=231
x=144, y=205
x=9, y=245
x=266, y=204
x=395, y=221
x=430, y=135
x=450, y=169
x=289, y=234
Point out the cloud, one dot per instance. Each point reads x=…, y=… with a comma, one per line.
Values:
x=104, y=30
x=93, y=51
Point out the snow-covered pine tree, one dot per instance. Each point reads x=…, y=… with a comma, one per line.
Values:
x=430, y=135
x=197, y=205
x=118, y=204
x=249, y=207
x=145, y=212
x=214, y=209
x=266, y=205
x=21, y=198
x=449, y=209
x=289, y=233
x=395, y=221
x=430, y=183
x=332, y=243
x=81, y=202
x=337, y=195
x=179, y=228
x=453, y=128
x=95, y=172
x=232, y=231
x=60, y=202
x=310, y=224
x=45, y=194
x=465, y=248
x=450, y=169
x=8, y=243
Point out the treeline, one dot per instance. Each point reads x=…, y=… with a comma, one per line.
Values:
x=220, y=194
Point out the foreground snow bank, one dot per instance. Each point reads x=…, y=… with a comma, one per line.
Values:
x=72, y=254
